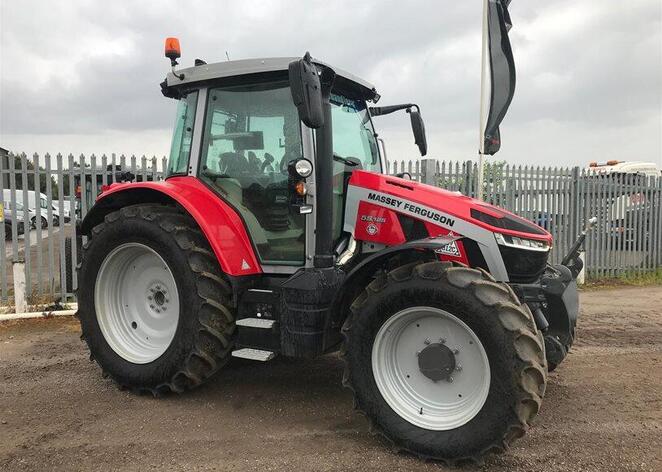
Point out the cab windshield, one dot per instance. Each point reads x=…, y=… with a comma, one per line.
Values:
x=354, y=141
x=353, y=134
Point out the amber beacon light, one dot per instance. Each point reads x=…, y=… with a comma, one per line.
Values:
x=173, y=52
x=172, y=49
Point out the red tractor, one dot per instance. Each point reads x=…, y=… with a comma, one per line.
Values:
x=276, y=232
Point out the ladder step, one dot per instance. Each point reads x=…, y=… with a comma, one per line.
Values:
x=256, y=323
x=254, y=354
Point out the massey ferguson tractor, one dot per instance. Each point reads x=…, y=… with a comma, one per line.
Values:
x=276, y=232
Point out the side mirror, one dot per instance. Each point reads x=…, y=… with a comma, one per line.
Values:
x=306, y=91
x=418, y=128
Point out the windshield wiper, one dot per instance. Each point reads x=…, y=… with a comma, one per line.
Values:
x=346, y=161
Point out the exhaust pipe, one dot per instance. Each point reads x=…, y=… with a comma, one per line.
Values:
x=324, y=178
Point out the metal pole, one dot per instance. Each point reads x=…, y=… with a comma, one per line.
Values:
x=484, y=69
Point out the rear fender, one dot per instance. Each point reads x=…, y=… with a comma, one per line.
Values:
x=220, y=223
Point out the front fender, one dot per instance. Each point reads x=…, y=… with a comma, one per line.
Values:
x=361, y=274
x=218, y=221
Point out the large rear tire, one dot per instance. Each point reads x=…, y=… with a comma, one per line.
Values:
x=445, y=362
x=153, y=303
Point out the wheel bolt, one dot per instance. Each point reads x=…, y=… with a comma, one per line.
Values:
x=456, y=351
x=442, y=340
x=166, y=300
x=427, y=341
x=151, y=306
x=458, y=368
x=450, y=379
x=163, y=308
x=149, y=297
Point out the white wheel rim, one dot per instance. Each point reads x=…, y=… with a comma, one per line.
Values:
x=441, y=405
x=137, y=303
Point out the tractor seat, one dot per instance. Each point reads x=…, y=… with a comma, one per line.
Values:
x=232, y=191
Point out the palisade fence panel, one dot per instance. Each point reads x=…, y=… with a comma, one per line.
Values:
x=627, y=237
x=43, y=196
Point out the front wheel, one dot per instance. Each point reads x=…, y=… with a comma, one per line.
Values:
x=153, y=304
x=444, y=361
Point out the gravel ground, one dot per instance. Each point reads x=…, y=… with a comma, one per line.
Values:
x=602, y=410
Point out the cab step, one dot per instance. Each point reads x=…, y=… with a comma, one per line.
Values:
x=254, y=354
x=260, y=323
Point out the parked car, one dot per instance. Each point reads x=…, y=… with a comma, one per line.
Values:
x=8, y=219
x=33, y=200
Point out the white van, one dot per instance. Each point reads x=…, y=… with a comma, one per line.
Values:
x=616, y=167
x=35, y=199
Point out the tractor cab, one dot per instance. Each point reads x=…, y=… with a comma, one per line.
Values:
x=238, y=130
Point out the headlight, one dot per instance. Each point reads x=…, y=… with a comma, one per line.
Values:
x=521, y=243
x=301, y=167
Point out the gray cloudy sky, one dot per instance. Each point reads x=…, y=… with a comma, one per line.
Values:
x=82, y=76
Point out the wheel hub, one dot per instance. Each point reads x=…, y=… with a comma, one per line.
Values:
x=437, y=362
x=157, y=297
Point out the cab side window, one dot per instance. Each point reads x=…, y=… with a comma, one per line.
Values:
x=182, y=136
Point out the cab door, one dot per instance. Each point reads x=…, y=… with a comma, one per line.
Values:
x=251, y=133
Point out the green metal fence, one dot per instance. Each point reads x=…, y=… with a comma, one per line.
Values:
x=627, y=238
x=42, y=198
x=628, y=234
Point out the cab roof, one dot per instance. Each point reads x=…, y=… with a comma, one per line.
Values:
x=219, y=70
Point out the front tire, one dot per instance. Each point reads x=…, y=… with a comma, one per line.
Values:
x=153, y=303
x=446, y=315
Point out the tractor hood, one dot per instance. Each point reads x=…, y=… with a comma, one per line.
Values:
x=432, y=205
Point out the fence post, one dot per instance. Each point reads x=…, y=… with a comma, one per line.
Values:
x=473, y=182
x=20, y=301
x=575, y=222
x=428, y=169
x=581, y=277
x=4, y=155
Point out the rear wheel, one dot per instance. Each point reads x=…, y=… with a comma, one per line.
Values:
x=153, y=303
x=42, y=221
x=445, y=362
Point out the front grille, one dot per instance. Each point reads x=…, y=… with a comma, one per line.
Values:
x=522, y=265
